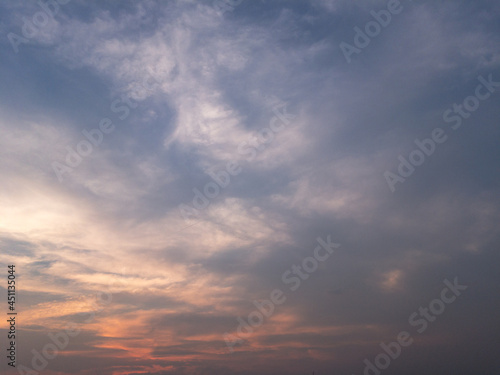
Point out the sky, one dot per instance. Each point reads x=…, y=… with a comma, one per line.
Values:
x=250, y=187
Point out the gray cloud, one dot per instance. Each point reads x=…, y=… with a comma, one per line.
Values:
x=192, y=84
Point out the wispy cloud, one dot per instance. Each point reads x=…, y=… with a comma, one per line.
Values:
x=185, y=84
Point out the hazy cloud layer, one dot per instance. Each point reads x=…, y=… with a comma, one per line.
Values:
x=185, y=88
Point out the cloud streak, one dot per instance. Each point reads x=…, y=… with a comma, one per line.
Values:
x=185, y=84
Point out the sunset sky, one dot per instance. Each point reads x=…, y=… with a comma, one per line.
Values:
x=168, y=166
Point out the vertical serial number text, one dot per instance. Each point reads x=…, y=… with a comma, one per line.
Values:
x=11, y=314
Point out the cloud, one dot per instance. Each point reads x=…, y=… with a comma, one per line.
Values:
x=197, y=83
